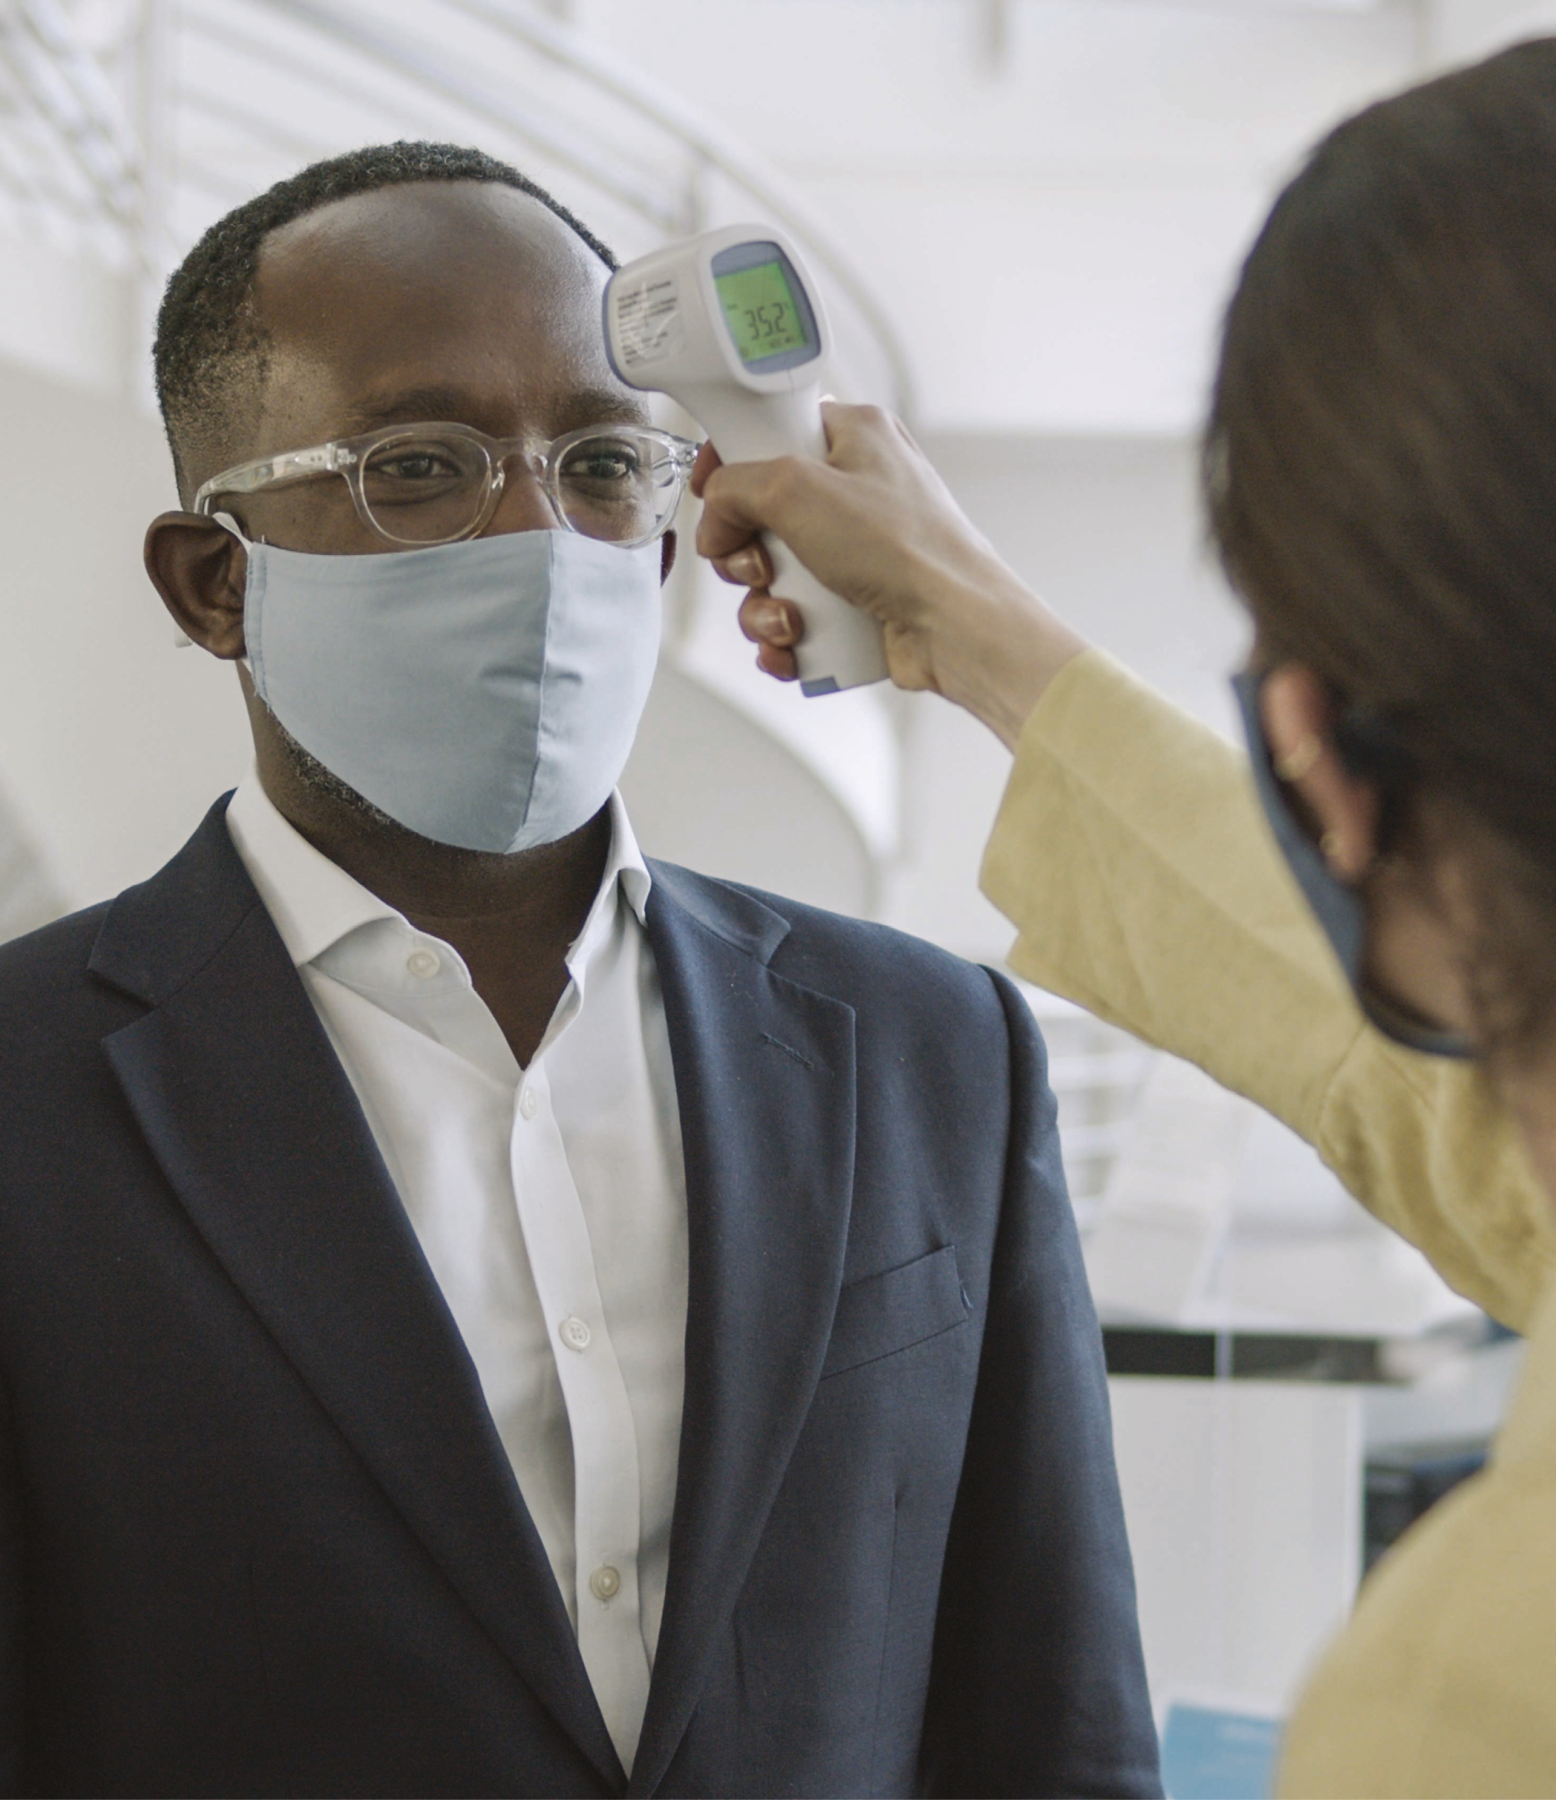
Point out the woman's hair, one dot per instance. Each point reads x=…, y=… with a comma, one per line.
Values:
x=1380, y=465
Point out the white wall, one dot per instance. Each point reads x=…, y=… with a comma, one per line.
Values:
x=1243, y=1503
x=65, y=314
x=1054, y=223
x=1464, y=30
x=707, y=788
x=1109, y=532
x=112, y=743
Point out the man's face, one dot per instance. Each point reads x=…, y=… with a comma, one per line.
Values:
x=462, y=302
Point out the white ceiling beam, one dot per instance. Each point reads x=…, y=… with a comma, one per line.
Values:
x=995, y=36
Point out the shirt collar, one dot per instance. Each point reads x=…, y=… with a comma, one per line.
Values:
x=314, y=903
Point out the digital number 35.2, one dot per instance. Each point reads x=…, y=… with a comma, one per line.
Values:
x=765, y=321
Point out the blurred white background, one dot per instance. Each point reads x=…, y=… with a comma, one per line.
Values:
x=1027, y=215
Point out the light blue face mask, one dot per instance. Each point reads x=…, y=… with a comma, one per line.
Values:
x=484, y=694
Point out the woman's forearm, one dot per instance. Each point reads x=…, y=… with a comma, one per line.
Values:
x=1004, y=648
x=1131, y=856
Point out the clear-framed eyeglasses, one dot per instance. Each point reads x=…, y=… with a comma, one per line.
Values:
x=418, y=485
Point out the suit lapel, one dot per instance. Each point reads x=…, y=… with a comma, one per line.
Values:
x=764, y=1072
x=257, y=1129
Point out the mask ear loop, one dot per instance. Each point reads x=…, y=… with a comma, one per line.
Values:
x=1369, y=750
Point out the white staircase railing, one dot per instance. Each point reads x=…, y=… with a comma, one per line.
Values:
x=70, y=156
x=128, y=125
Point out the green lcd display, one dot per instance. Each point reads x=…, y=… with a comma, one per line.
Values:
x=759, y=308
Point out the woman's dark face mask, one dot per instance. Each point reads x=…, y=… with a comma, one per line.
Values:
x=1338, y=908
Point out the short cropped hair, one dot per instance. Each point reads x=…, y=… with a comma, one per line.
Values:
x=209, y=339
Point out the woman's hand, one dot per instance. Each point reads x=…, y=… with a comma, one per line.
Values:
x=876, y=524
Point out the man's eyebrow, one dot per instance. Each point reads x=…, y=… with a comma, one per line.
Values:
x=409, y=406
x=600, y=406
x=436, y=405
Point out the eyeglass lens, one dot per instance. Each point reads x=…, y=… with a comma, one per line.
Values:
x=425, y=488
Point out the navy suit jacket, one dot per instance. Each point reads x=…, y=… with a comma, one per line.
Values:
x=258, y=1534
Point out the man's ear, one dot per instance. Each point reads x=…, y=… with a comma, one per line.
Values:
x=667, y=550
x=199, y=568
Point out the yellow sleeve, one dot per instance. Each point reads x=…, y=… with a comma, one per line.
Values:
x=1131, y=856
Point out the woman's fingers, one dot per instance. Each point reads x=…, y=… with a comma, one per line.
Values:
x=741, y=499
x=774, y=626
x=707, y=461
x=726, y=537
x=768, y=619
x=782, y=665
x=749, y=567
x=827, y=511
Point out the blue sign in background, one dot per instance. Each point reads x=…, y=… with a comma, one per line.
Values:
x=1213, y=1755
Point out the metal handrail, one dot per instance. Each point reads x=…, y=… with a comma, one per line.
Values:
x=61, y=80
x=67, y=92
x=498, y=106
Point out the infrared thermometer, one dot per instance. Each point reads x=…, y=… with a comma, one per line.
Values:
x=730, y=326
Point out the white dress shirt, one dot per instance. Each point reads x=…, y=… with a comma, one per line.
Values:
x=550, y=1203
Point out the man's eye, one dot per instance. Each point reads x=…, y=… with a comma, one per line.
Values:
x=415, y=465
x=601, y=463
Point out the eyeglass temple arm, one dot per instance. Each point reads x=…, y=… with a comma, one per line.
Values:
x=247, y=478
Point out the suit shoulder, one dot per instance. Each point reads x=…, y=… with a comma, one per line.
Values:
x=41, y=971
x=51, y=952
x=862, y=962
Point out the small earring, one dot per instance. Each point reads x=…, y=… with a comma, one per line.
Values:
x=1330, y=845
x=1294, y=766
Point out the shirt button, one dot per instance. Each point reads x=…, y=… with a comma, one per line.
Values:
x=575, y=1334
x=423, y=964
x=605, y=1583
x=529, y=1103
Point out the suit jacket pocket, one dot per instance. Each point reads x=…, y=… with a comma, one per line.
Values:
x=889, y=1312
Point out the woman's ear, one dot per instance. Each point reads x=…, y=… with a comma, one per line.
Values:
x=1421, y=925
x=200, y=569
x=1298, y=715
